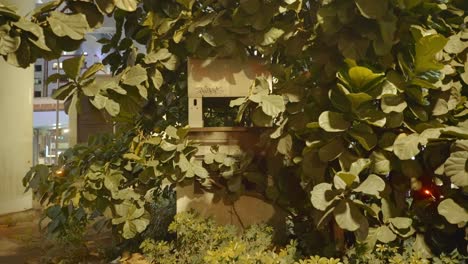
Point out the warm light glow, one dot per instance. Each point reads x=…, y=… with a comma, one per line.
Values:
x=427, y=192
x=59, y=172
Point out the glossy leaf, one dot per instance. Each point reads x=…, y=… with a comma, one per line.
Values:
x=127, y=5
x=73, y=26
x=406, y=146
x=373, y=185
x=454, y=213
x=73, y=66
x=333, y=122
x=134, y=76
x=322, y=196
x=456, y=167
x=347, y=216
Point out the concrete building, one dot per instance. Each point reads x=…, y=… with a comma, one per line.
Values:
x=29, y=115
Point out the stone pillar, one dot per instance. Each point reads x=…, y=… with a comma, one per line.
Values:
x=16, y=132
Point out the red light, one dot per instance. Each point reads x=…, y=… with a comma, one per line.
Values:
x=427, y=192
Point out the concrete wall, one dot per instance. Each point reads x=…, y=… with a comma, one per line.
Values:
x=16, y=132
x=250, y=208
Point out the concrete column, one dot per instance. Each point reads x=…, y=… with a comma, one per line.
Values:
x=16, y=131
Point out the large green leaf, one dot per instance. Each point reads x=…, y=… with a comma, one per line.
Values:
x=333, y=122
x=36, y=30
x=372, y=9
x=380, y=163
x=8, y=44
x=430, y=133
x=401, y=222
x=455, y=45
x=127, y=211
x=112, y=107
x=171, y=131
x=272, y=105
x=343, y=180
x=454, y=213
x=458, y=132
x=347, y=216
x=359, y=165
x=373, y=185
x=157, y=78
x=406, y=147
x=103, y=102
x=64, y=91
x=456, y=167
x=361, y=77
x=385, y=234
x=127, y=5
x=133, y=227
x=357, y=99
x=322, y=196
x=91, y=71
x=331, y=150
x=134, y=76
x=113, y=179
x=260, y=119
x=364, y=135
x=393, y=103
x=198, y=169
x=93, y=15
x=426, y=49
x=160, y=55
x=72, y=66
x=73, y=26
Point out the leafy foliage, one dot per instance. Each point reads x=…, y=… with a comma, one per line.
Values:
x=111, y=181
x=200, y=240
x=366, y=120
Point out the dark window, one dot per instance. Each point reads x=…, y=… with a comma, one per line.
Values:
x=37, y=93
x=38, y=68
x=218, y=113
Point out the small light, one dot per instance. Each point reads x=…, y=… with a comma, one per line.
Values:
x=59, y=172
x=66, y=130
x=427, y=192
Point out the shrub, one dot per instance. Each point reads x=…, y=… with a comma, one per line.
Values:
x=201, y=240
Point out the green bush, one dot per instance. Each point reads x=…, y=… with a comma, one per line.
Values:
x=201, y=240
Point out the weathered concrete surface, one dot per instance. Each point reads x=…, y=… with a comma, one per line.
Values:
x=244, y=212
x=249, y=209
x=20, y=239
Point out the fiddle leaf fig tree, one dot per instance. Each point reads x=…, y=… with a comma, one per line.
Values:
x=364, y=125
